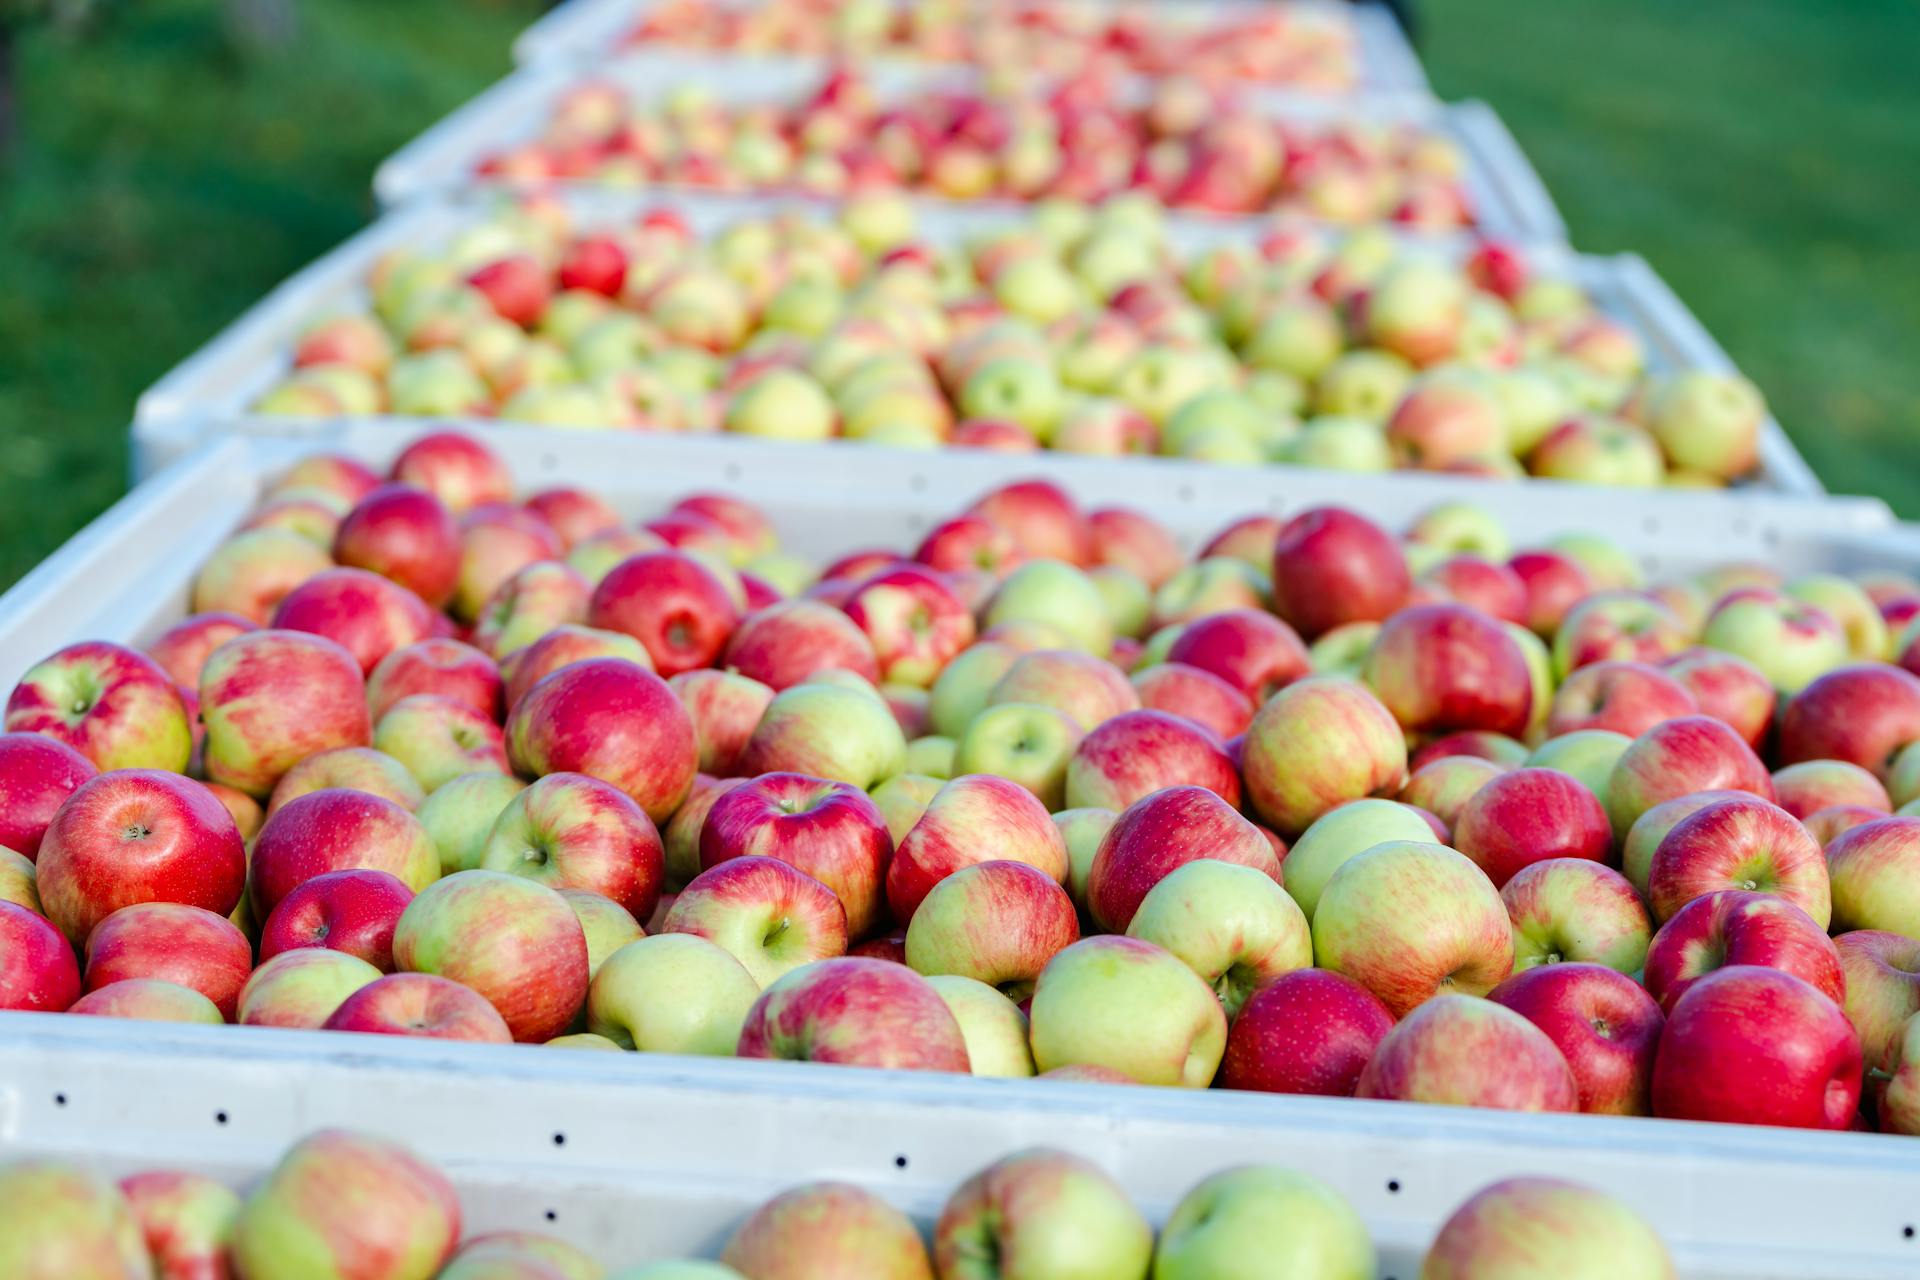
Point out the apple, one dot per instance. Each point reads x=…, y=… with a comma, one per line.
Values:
x=1728, y=688
x=1252, y=650
x=312, y=1211
x=353, y=768
x=187, y=1220
x=1528, y=816
x=570, y=831
x=790, y=642
x=134, y=836
x=853, y=1011
x=65, y=1222
x=1739, y=927
x=113, y=705
x=148, y=1000
x=670, y=602
x=1882, y=972
x=610, y=719
x=1805, y=788
x=1082, y=830
x=439, y=739
x=1554, y=583
x=458, y=469
x=249, y=572
x=303, y=988
x=1161, y=832
x=1829, y=824
x=37, y=774
x=1740, y=843
x=16, y=881
x=270, y=699
x=724, y=707
x=514, y=941
x=1060, y=595
x=960, y=691
x=1625, y=697
x=1751, y=1045
x=1041, y=1212
x=1261, y=1220
x=403, y=533
x=1339, y=834
x=1535, y=1226
x=1605, y=1025
x=1443, y=667
x=539, y=597
x=968, y=542
x=998, y=922
x=1200, y=696
x=766, y=913
x=1587, y=755
x=1899, y=1107
x=606, y=924
x=834, y=731
x=1444, y=786
x=1130, y=1006
x=366, y=614
x=1230, y=924
x=1308, y=1031
x=1792, y=643
x=459, y=816
x=1846, y=603
x=182, y=649
x=186, y=946
x=1459, y=1051
x=1870, y=870
x=671, y=993
x=1573, y=909
x=1617, y=625
x=38, y=973
x=1136, y=753
x=1648, y=830
x=914, y=622
x=1212, y=585
x=1088, y=690
x=1677, y=758
x=825, y=1229
x=1333, y=566
x=574, y=514
x=829, y=830
x=520, y=1255
x=1132, y=540
x=1411, y=920
x=337, y=830
x=1316, y=745
x=993, y=1027
x=973, y=818
x=1863, y=714
x=1043, y=519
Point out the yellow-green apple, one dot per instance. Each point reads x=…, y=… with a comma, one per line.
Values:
x=1263, y=1220
x=574, y=514
x=1793, y=643
x=16, y=881
x=1130, y=1006
x=1735, y=926
x=682, y=836
x=1871, y=869
x=1805, y=788
x=497, y=542
x=439, y=739
x=1898, y=1110
x=1088, y=690
x=1460, y=1051
x=993, y=1027
x=1536, y=1226
x=37, y=774
x=337, y=830
x=540, y=597
x=1708, y=422
x=459, y=816
x=1604, y=1023
x=249, y=572
x=1332, y=566
x=1619, y=626
x=913, y=621
x=148, y=1000
x=1160, y=833
x=1651, y=827
x=112, y=704
x=1135, y=541
x=1200, y=696
x=1741, y=843
x=596, y=556
x=1527, y=816
x=724, y=706
x=58, y=1222
x=570, y=831
x=1585, y=754
x=1609, y=565
x=562, y=647
x=187, y=1220
x=1316, y=745
x=1042, y=517
x=830, y=830
x=1250, y=649
x=671, y=993
x=769, y=915
x=38, y=973
x=367, y=615
x=405, y=534
x=1442, y=787
x=1864, y=714
x=270, y=699
x=354, y=768
x=969, y=542
x=1443, y=667
x=962, y=688
x=1231, y=924
x=783, y=404
x=312, y=1212
x=439, y=666
x=1138, y=753
x=514, y=941
x=669, y=601
x=1882, y=973
x=520, y=1255
x=1595, y=449
x=855, y=1011
x=182, y=649
x=354, y=911
x=1417, y=309
x=458, y=469
x=1060, y=595
x=972, y=819
x=610, y=719
x=1041, y=1212
x=827, y=730
x=1308, y=1031
x=1025, y=742
x=606, y=924
x=187, y=946
x=1677, y=758
x=904, y=797
x=827, y=1229
x=1250, y=538
x=314, y=517
x=1752, y=1045
x=1339, y=834
x=1574, y=909
x=1212, y=585
x=1848, y=604
x=1082, y=831
x=133, y=836
x=999, y=922
x=1554, y=583
x=1625, y=697
x=788, y=643
x=302, y=988
x=1410, y=920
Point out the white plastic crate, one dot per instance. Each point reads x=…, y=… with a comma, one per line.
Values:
x=1507, y=195
x=587, y=30
x=635, y=1156
x=127, y=576
x=215, y=387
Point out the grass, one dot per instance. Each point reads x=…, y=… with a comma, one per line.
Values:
x=1761, y=153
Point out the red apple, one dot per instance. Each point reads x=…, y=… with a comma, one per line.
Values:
x=420, y=1004
x=914, y=621
x=1200, y=696
x=1528, y=816
x=1332, y=566
x=1138, y=543
x=438, y=666
x=37, y=774
x=724, y=707
x=574, y=514
x=974, y=818
x=1251, y=650
x=570, y=831
x=403, y=533
x=112, y=704
x=1736, y=926
x=785, y=644
x=1743, y=843
x=1554, y=582
x=1862, y=714
x=459, y=470
x=186, y=946
x=829, y=830
x=353, y=911
x=560, y=647
x=38, y=973
x=672, y=604
x=1625, y=697
x=1459, y=1051
x=609, y=719
x=182, y=649
x=1161, y=832
x=337, y=830
x=1728, y=688
x=1309, y=1031
x=969, y=542
x=497, y=542
x=1605, y=1026
x=1677, y=758
x=1138, y=753
x=1478, y=583
x=1043, y=519
x=854, y=1011
x=1443, y=667
x=364, y=613
x=539, y=597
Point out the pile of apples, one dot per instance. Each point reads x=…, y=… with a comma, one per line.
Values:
x=1041, y=795
x=1190, y=143
x=347, y=1204
x=1078, y=330
x=1280, y=46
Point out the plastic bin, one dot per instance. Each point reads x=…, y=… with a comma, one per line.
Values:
x=1506, y=193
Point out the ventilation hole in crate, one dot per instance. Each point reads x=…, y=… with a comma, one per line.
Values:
x=732, y=472
x=1184, y=493
x=1906, y=1232
x=553, y=1216
x=917, y=482
x=900, y=1162
x=59, y=1099
x=1393, y=1186
x=1770, y=536
x=1650, y=526
x=549, y=462
x=559, y=1139
x=219, y=1117
x=1742, y=526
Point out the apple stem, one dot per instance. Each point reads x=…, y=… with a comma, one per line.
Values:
x=1880, y=1074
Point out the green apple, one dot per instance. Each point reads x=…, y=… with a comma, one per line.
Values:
x=1338, y=835
x=1128, y=599
x=1129, y=1006
x=1843, y=600
x=1300, y=337
x=1082, y=829
x=1161, y=379
x=1018, y=389
x=1037, y=287
x=671, y=993
x=1341, y=444
x=1044, y=1215
x=1114, y=257
x=1343, y=650
x=992, y=1025
x=902, y=798
x=1463, y=527
x=931, y=756
x=1258, y=1222
x=1586, y=754
x=1056, y=593
x=1231, y=924
x=1023, y=741
x=828, y=730
x=961, y=689
x=782, y=404
x=1365, y=384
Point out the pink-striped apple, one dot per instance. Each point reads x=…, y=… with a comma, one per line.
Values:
x=569, y=831
x=270, y=699
x=439, y=739
x=461, y=471
x=1604, y=1024
x=1130, y=1006
x=1677, y=758
x=998, y=922
x=1308, y=1031
x=337, y=830
x=993, y=1027
x=148, y=1000
x=351, y=768
x=1574, y=909
x=1735, y=926
x=1459, y=1051
x=827, y=730
x=853, y=1011
x=829, y=830
x=1625, y=697
x=405, y=534
x=1728, y=688
x=187, y=1220
x=1250, y=649
x=1792, y=642
x=1443, y=787
x=1138, y=753
x=1088, y=690
x=112, y=704
x=543, y=595
x=1200, y=696
x=561, y=647
x=37, y=774
x=1534, y=1226
x=1160, y=833
x=62, y=1223
x=1872, y=869
x=1617, y=625
x=787, y=643
x=302, y=988
x=1743, y=843
x=609, y=719
x=1316, y=745
x=1650, y=828
x=1232, y=925
x=1554, y=583
x=828, y=1229
x=187, y=946
x=767, y=914
x=1863, y=714
x=1812, y=785
x=974, y=818
x=724, y=706
x=249, y=573
x=364, y=613
x=914, y=621
x=423, y=1005
x=438, y=666
x=182, y=649
x=1882, y=973
x=1030, y=1210
x=670, y=602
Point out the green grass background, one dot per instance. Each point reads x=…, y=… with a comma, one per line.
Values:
x=1763, y=154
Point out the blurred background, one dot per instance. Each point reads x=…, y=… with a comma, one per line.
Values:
x=165, y=162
